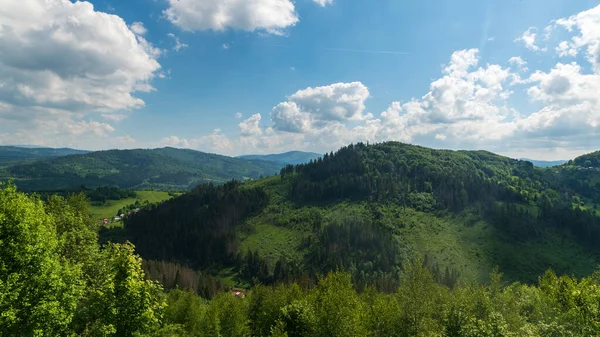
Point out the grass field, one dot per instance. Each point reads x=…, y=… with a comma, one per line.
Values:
x=111, y=207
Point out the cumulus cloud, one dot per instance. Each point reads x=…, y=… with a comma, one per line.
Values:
x=271, y=16
x=518, y=62
x=565, y=49
x=138, y=28
x=174, y=141
x=66, y=55
x=319, y=106
x=570, y=99
x=250, y=127
x=587, y=24
x=288, y=117
x=339, y=101
x=215, y=142
x=238, y=115
x=61, y=61
x=528, y=38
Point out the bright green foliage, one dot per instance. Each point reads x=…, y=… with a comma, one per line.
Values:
x=185, y=309
x=558, y=306
x=121, y=301
x=56, y=281
x=265, y=306
x=38, y=293
x=227, y=316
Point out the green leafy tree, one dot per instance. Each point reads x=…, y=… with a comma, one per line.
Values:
x=38, y=294
x=120, y=301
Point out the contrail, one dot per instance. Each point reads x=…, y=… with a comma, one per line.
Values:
x=369, y=51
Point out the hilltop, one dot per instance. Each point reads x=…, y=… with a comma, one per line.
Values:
x=291, y=158
x=369, y=208
x=10, y=155
x=163, y=168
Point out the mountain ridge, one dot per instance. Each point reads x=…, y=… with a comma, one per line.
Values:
x=161, y=168
x=10, y=155
x=286, y=158
x=366, y=208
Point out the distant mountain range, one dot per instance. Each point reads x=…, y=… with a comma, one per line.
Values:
x=544, y=163
x=164, y=168
x=292, y=157
x=38, y=168
x=10, y=155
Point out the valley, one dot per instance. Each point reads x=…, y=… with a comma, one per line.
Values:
x=374, y=228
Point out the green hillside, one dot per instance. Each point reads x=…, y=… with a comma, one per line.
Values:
x=368, y=209
x=292, y=157
x=588, y=160
x=57, y=280
x=11, y=155
x=165, y=168
x=109, y=208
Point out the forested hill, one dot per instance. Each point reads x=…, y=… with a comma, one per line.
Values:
x=368, y=208
x=164, y=168
x=587, y=160
x=10, y=155
x=292, y=157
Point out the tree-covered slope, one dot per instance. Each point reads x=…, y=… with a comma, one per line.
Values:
x=58, y=281
x=165, y=168
x=291, y=158
x=587, y=160
x=11, y=155
x=368, y=208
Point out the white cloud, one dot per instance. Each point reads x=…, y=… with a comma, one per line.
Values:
x=565, y=85
x=238, y=115
x=178, y=45
x=123, y=140
x=318, y=106
x=288, y=117
x=65, y=55
x=339, y=101
x=517, y=61
x=174, y=141
x=62, y=61
x=587, y=23
x=323, y=3
x=250, y=126
x=520, y=64
x=96, y=128
x=565, y=49
x=215, y=142
x=528, y=38
x=271, y=16
x=138, y=28
x=114, y=117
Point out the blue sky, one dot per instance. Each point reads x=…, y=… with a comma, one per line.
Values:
x=264, y=76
